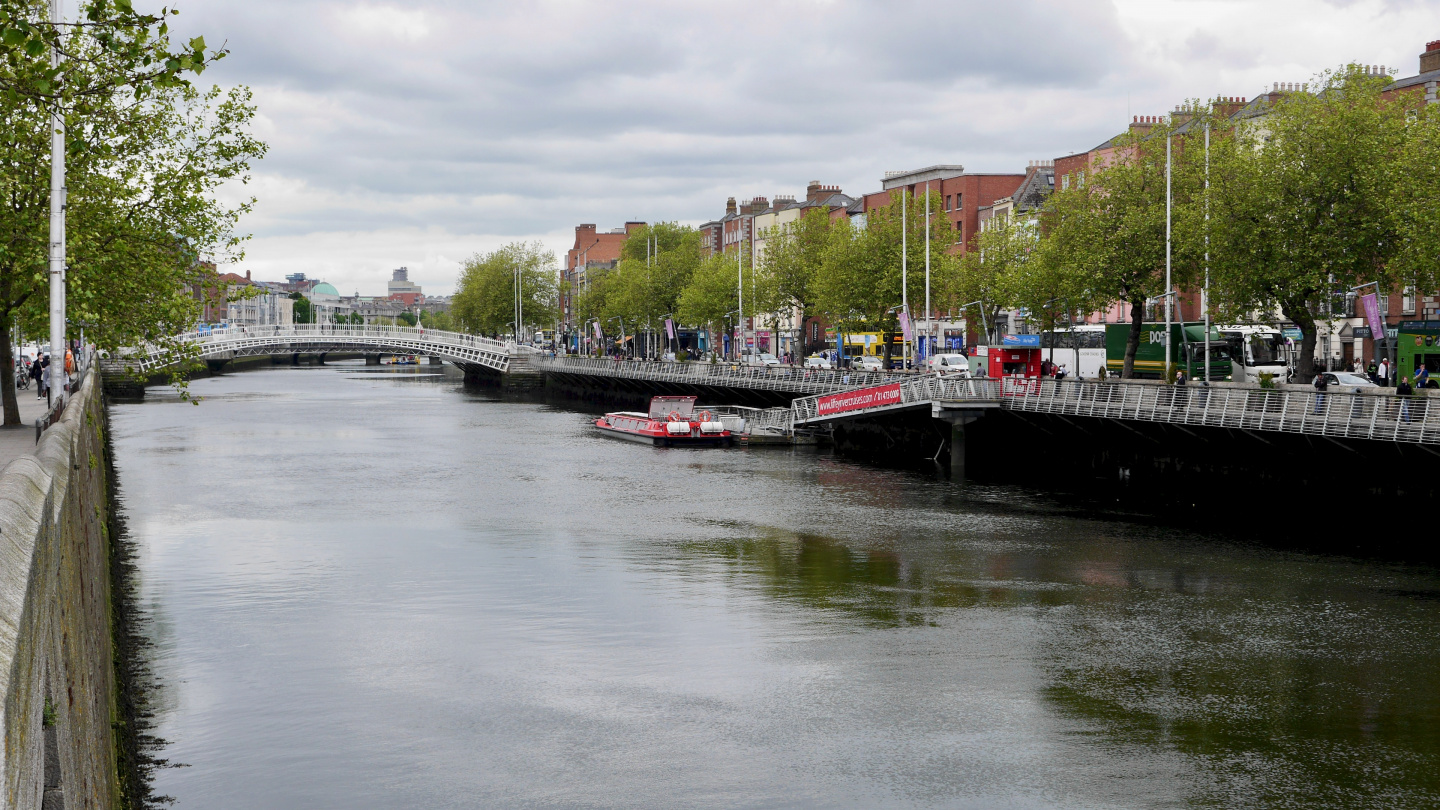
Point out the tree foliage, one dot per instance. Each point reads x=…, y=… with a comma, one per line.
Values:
x=142, y=213
x=1312, y=200
x=484, y=302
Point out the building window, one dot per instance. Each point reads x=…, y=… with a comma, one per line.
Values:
x=959, y=202
x=1384, y=305
x=1080, y=179
x=1065, y=183
x=1407, y=301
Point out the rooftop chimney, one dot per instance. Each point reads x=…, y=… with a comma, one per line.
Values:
x=730, y=207
x=1430, y=59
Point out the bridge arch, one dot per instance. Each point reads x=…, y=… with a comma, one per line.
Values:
x=250, y=341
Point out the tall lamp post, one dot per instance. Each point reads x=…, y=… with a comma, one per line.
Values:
x=57, y=226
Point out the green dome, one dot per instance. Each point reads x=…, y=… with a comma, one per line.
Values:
x=325, y=289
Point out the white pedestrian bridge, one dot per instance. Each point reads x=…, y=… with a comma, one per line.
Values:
x=224, y=343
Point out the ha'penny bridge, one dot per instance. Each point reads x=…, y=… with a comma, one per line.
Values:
x=1132, y=424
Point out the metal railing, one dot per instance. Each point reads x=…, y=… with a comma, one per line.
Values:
x=282, y=338
x=1341, y=414
x=1383, y=417
x=792, y=379
x=914, y=391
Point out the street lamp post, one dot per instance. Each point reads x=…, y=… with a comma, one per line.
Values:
x=57, y=224
x=929, y=328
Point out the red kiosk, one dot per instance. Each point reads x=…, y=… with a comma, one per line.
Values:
x=1016, y=356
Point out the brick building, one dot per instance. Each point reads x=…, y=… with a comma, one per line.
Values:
x=593, y=251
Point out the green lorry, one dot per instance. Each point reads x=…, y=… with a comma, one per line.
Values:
x=1188, y=340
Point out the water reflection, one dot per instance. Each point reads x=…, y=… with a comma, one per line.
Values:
x=380, y=591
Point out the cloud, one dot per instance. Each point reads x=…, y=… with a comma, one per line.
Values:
x=443, y=121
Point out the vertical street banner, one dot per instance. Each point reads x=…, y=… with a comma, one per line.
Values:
x=1371, y=304
x=858, y=400
x=599, y=337
x=669, y=329
x=905, y=324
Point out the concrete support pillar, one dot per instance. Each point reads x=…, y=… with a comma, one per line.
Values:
x=957, y=451
x=435, y=361
x=320, y=359
x=958, y=419
x=372, y=359
x=295, y=359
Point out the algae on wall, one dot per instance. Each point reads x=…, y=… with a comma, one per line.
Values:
x=56, y=648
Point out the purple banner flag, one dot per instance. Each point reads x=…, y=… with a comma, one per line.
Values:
x=1371, y=305
x=669, y=328
x=905, y=325
x=598, y=336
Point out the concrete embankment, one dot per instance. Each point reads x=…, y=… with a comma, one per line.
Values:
x=56, y=647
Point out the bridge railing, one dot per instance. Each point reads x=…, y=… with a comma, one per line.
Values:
x=775, y=378
x=914, y=390
x=231, y=333
x=230, y=336
x=1345, y=414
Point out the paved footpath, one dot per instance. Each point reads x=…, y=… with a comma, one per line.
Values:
x=20, y=440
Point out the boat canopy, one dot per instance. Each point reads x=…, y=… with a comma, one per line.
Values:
x=661, y=407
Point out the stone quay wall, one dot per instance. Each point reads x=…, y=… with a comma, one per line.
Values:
x=56, y=647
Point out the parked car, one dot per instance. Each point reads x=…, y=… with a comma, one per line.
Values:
x=866, y=362
x=1347, y=379
x=765, y=359
x=816, y=361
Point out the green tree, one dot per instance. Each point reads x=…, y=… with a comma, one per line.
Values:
x=485, y=300
x=406, y=318
x=303, y=312
x=792, y=261
x=987, y=271
x=439, y=321
x=142, y=210
x=859, y=284
x=1311, y=200
x=710, y=299
x=1106, y=237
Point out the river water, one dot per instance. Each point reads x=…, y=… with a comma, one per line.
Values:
x=374, y=588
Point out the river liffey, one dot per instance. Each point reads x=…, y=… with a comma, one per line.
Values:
x=373, y=588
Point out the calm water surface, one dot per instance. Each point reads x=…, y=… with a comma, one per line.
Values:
x=372, y=588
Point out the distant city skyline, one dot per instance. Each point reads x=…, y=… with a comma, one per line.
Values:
x=418, y=134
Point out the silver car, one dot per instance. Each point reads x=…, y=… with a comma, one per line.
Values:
x=1347, y=379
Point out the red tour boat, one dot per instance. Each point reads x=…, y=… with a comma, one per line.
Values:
x=672, y=422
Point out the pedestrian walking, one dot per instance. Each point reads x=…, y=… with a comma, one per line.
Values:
x=45, y=378
x=37, y=368
x=1384, y=372
x=1320, y=384
x=1182, y=397
x=1422, y=377
x=1403, y=390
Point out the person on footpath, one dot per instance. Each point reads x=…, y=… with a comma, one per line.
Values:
x=1320, y=384
x=37, y=369
x=1181, y=394
x=1422, y=378
x=1384, y=372
x=45, y=379
x=1403, y=390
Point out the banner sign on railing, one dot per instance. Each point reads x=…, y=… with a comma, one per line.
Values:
x=858, y=400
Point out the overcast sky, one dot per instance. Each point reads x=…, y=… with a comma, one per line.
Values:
x=417, y=133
